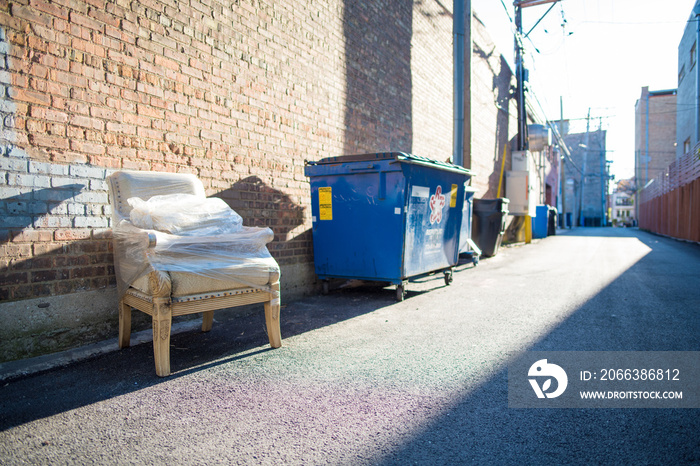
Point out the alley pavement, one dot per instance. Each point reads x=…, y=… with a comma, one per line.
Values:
x=363, y=379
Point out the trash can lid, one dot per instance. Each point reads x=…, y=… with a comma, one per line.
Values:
x=396, y=156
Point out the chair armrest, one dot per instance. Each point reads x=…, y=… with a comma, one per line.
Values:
x=132, y=247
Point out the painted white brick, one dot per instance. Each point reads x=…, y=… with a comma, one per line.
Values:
x=17, y=152
x=39, y=208
x=57, y=182
x=98, y=185
x=91, y=197
x=90, y=222
x=76, y=209
x=34, y=181
x=58, y=209
x=7, y=192
x=45, y=168
x=52, y=222
x=15, y=221
x=11, y=164
x=84, y=171
x=93, y=209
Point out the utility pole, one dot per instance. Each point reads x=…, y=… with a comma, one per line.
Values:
x=583, y=173
x=562, y=180
x=521, y=140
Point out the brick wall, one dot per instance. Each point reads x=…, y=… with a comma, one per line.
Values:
x=239, y=93
x=55, y=229
x=660, y=142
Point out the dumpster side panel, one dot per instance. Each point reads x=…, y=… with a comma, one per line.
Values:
x=433, y=221
x=359, y=234
x=467, y=212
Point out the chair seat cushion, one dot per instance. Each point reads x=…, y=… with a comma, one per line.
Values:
x=257, y=273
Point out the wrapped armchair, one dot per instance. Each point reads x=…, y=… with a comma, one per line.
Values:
x=177, y=252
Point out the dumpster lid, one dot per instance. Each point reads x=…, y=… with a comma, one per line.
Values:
x=396, y=156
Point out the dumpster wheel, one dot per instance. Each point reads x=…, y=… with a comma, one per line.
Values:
x=400, y=292
x=449, y=278
x=475, y=260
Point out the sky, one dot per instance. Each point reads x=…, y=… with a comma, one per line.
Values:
x=595, y=54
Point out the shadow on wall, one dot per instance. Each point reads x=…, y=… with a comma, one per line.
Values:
x=378, y=107
x=46, y=252
x=502, y=91
x=263, y=206
x=46, y=259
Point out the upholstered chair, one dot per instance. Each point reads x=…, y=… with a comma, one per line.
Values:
x=183, y=260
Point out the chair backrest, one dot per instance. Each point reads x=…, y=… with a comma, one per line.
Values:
x=127, y=184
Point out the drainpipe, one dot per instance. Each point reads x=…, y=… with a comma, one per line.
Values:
x=462, y=50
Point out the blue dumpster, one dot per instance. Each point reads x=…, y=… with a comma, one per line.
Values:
x=385, y=217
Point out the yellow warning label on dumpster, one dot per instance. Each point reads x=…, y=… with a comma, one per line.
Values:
x=325, y=203
x=453, y=196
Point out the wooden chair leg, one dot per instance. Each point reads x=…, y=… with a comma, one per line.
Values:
x=272, y=318
x=124, y=324
x=207, y=320
x=162, y=321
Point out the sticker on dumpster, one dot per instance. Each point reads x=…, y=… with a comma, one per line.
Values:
x=453, y=196
x=325, y=203
x=437, y=203
x=420, y=191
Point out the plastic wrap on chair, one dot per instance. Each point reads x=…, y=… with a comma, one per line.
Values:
x=185, y=232
x=241, y=256
x=184, y=214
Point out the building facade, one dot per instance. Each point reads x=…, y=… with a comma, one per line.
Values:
x=655, y=133
x=622, y=209
x=688, y=114
x=586, y=178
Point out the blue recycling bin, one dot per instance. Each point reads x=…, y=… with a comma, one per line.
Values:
x=540, y=223
x=385, y=217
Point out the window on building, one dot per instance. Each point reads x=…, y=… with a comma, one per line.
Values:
x=686, y=146
x=693, y=56
x=681, y=74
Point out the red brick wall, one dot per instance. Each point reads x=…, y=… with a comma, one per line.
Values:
x=239, y=93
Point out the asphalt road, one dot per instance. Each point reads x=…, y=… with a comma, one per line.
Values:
x=362, y=379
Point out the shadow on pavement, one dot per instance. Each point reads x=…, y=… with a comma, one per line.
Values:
x=653, y=306
x=234, y=336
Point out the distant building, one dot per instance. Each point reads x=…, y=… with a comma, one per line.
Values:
x=688, y=115
x=622, y=209
x=655, y=133
x=586, y=178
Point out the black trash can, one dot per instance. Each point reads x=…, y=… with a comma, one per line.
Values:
x=552, y=223
x=489, y=224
